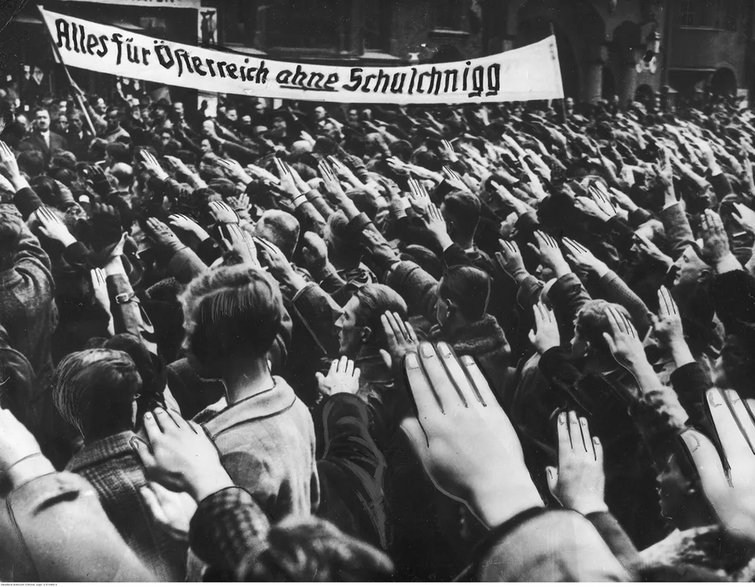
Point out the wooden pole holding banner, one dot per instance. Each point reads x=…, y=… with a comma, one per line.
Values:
x=78, y=93
x=563, y=100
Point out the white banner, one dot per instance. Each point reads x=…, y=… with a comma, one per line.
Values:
x=195, y=4
x=529, y=73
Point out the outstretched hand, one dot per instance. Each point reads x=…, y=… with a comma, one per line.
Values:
x=579, y=482
x=342, y=377
x=464, y=439
x=180, y=456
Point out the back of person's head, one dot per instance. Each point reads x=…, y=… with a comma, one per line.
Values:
x=11, y=229
x=469, y=290
x=31, y=162
x=123, y=173
x=462, y=213
x=592, y=322
x=231, y=312
x=280, y=228
x=64, y=159
x=97, y=149
x=94, y=390
x=118, y=152
x=375, y=299
x=313, y=550
x=151, y=369
x=46, y=189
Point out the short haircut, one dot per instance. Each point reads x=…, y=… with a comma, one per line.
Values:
x=119, y=152
x=123, y=173
x=468, y=288
x=280, y=228
x=32, y=162
x=592, y=322
x=94, y=390
x=231, y=310
x=375, y=299
x=464, y=210
x=312, y=549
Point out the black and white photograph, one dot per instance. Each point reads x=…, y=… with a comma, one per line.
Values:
x=377, y=291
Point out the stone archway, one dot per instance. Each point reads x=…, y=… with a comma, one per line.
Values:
x=723, y=82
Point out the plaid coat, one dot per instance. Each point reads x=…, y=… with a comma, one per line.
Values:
x=267, y=445
x=116, y=473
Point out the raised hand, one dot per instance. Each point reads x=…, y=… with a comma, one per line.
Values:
x=447, y=151
x=550, y=254
x=401, y=338
x=465, y=441
x=745, y=216
x=51, y=226
x=315, y=252
x=160, y=234
x=8, y=164
x=151, y=164
x=262, y=174
x=287, y=180
x=240, y=242
x=651, y=250
x=510, y=258
x=419, y=197
x=583, y=258
x=342, y=377
x=545, y=334
x=436, y=224
x=222, y=213
x=331, y=181
x=180, y=456
x=716, y=243
x=623, y=341
x=454, y=179
x=235, y=170
x=668, y=327
x=171, y=511
x=579, y=482
x=343, y=172
x=728, y=484
x=185, y=223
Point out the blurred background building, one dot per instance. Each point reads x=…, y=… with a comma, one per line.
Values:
x=626, y=48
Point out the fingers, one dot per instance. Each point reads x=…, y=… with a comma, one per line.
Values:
x=483, y=392
x=551, y=475
x=425, y=400
x=143, y=450
x=444, y=387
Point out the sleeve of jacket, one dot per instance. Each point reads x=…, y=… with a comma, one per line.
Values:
x=721, y=185
x=53, y=528
x=563, y=378
x=185, y=265
x=677, y=228
x=318, y=312
x=617, y=540
x=567, y=295
x=310, y=218
x=529, y=291
x=320, y=204
x=659, y=417
x=228, y=526
x=734, y=301
x=690, y=382
x=554, y=545
x=617, y=291
x=347, y=437
x=27, y=201
x=418, y=288
x=623, y=233
x=126, y=315
x=32, y=263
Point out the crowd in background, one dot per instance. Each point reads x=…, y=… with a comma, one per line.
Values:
x=326, y=342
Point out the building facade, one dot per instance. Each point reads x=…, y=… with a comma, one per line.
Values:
x=606, y=47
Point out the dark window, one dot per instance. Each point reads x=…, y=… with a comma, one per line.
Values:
x=303, y=23
x=377, y=24
x=733, y=12
x=448, y=14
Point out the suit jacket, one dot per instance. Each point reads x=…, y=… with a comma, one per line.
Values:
x=35, y=141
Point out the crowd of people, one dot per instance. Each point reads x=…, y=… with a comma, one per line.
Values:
x=484, y=342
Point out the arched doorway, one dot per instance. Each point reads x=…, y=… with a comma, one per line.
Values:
x=580, y=35
x=723, y=82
